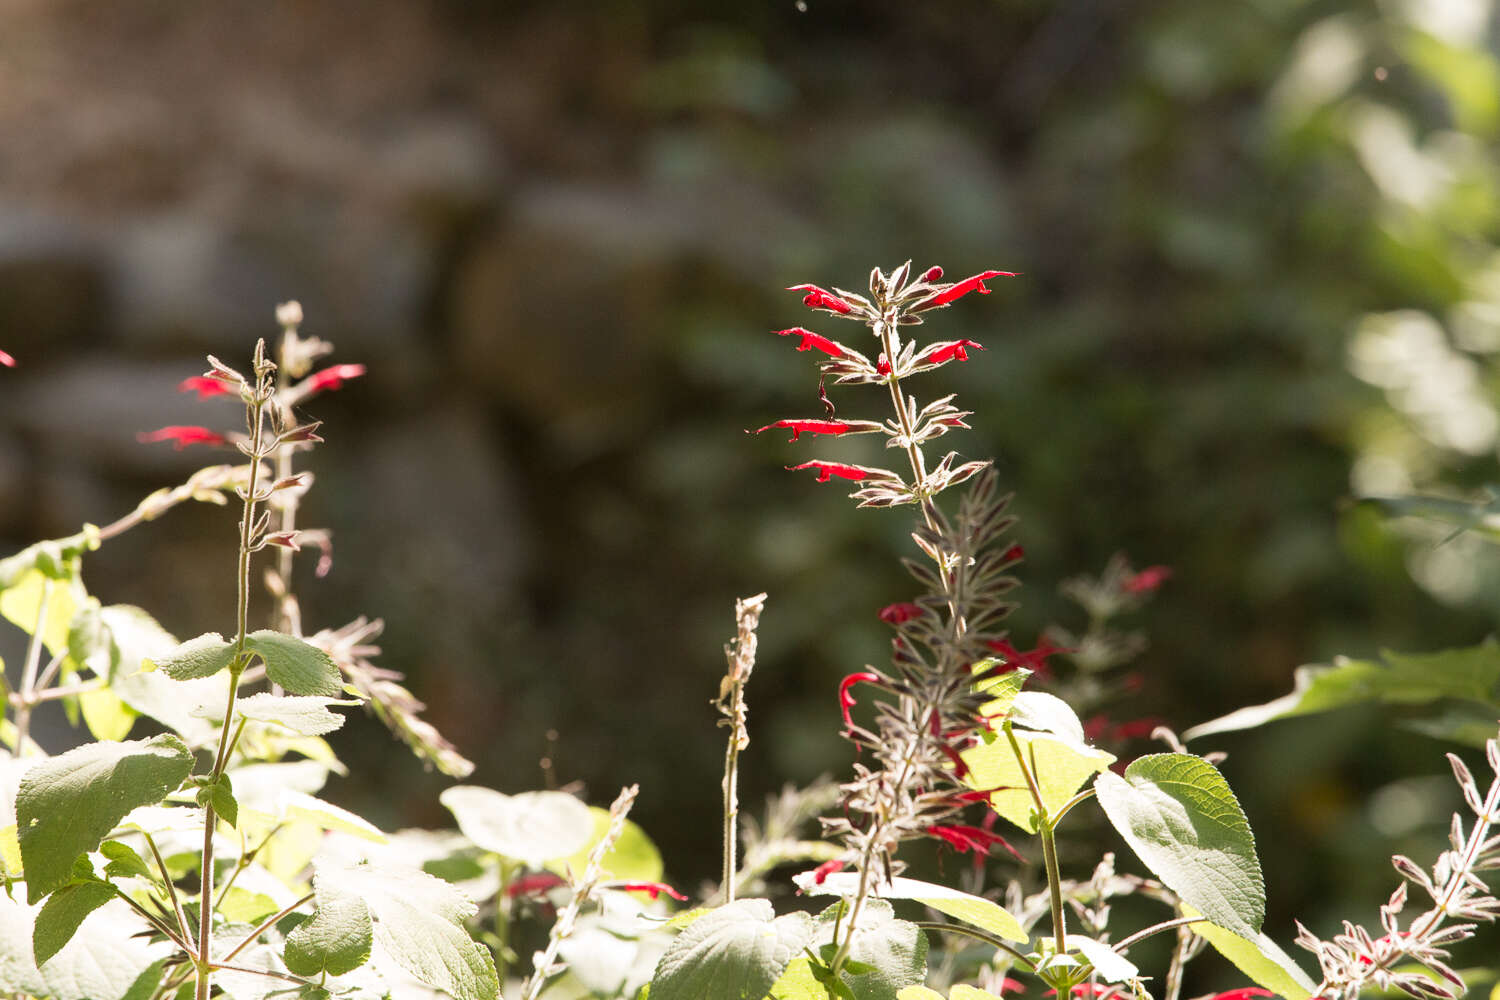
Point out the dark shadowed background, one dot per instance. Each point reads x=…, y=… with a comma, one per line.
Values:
x=1260, y=273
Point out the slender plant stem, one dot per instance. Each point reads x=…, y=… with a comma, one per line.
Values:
x=265, y=925
x=978, y=935
x=158, y=923
x=1067, y=806
x=166, y=876
x=731, y=807
x=1045, y=826
x=28, y=672
x=256, y=421
x=1146, y=932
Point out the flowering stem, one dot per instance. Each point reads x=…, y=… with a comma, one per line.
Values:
x=256, y=421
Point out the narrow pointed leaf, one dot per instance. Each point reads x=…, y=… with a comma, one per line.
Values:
x=68, y=803
x=1178, y=814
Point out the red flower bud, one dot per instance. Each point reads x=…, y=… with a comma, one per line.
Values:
x=819, y=298
x=332, y=378
x=533, y=885
x=205, y=386
x=285, y=539
x=932, y=273
x=654, y=888
x=181, y=436
x=895, y=614
x=974, y=284
x=1147, y=579
x=1013, y=553
x=827, y=470
x=846, y=700
x=811, y=340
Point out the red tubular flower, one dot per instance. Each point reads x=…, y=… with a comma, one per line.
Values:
x=970, y=838
x=654, y=888
x=205, y=386
x=827, y=470
x=1034, y=660
x=1009, y=985
x=1243, y=993
x=798, y=427
x=827, y=868
x=1147, y=579
x=332, y=378
x=895, y=614
x=1099, y=990
x=821, y=298
x=533, y=885
x=846, y=700
x=939, y=354
x=811, y=340
x=181, y=437
x=7, y=360
x=974, y=284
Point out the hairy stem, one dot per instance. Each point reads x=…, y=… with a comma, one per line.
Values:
x=1045, y=826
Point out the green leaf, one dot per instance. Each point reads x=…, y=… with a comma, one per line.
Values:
x=918, y=993
x=303, y=715
x=418, y=921
x=534, y=827
x=336, y=939
x=109, y=957
x=734, y=953
x=21, y=602
x=107, y=717
x=886, y=954
x=1047, y=713
x=1108, y=964
x=634, y=857
x=1257, y=957
x=203, y=656
x=1061, y=769
x=1178, y=814
x=1002, y=688
x=68, y=803
x=1468, y=674
x=298, y=666
x=63, y=912
x=976, y=910
x=221, y=794
x=300, y=807
x=123, y=862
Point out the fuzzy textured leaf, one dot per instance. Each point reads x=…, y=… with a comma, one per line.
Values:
x=303, y=715
x=298, y=666
x=535, y=827
x=737, y=952
x=68, y=803
x=418, y=919
x=891, y=953
x=1180, y=817
x=336, y=939
x=59, y=918
x=202, y=656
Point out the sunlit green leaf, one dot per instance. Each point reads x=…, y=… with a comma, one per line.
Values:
x=534, y=827
x=336, y=939
x=1257, y=957
x=735, y=952
x=1061, y=768
x=1179, y=815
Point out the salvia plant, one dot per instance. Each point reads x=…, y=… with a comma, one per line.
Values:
x=202, y=862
